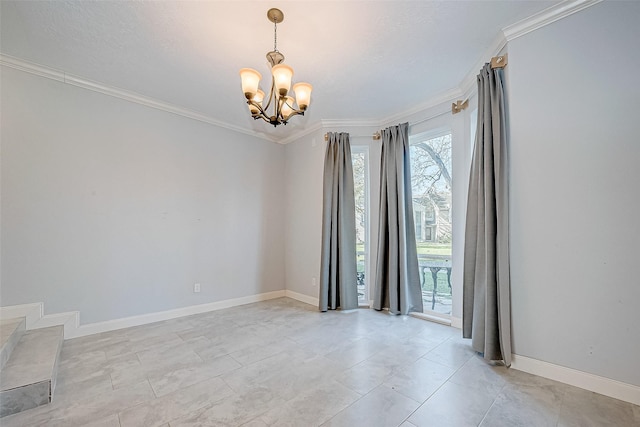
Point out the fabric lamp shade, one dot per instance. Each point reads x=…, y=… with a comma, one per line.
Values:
x=303, y=94
x=282, y=75
x=250, y=81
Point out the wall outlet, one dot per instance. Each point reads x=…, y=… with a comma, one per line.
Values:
x=196, y=287
x=314, y=283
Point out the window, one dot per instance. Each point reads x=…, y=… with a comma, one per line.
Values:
x=431, y=187
x=360, y=159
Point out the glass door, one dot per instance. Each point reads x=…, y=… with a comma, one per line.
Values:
x=431, y=186
x=359, y=158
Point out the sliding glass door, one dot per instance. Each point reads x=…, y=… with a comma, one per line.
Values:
x=360, y=161
x=431, y=184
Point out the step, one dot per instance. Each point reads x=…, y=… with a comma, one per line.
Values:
x=28, y=379
x=11, y=331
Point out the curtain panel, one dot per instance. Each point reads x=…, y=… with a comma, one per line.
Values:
x=338, y=286
x=397, y=283
x=486, y=282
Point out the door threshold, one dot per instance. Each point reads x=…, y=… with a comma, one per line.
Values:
x=431, y=318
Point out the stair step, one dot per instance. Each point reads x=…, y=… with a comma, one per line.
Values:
x=28, y=379
x=11, y=331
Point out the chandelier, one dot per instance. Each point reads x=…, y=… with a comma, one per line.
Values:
x=281, y=74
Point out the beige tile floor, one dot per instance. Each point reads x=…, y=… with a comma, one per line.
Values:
x=283, y=363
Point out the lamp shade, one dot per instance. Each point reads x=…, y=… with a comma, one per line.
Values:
x=303, y=94
x=250, y=81
x=257, y=98
x=287, y=106
x=282, y=75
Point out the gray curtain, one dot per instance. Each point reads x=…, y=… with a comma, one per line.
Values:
x=397, y=285
x=338, y=287
x=486, y=288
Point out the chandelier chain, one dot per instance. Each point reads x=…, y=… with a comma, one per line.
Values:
x=275, y=36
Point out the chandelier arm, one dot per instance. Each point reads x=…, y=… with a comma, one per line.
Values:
x=258, y=106
x=271, y=94
x=260, y=114
x=295, y=113
x=279, y=108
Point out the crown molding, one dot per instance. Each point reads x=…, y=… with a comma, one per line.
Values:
x=294, y=136
x=32, y=68
x=333, y=123
x=61, y=76
x=554, y=13
x=546, y=17
x=433, y=102
x=330, y=124
x=468, y=84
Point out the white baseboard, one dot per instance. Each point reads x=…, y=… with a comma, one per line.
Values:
x=143, y=319
x=301, y=297
x=601, y=385
x=71, y=320
x=31, y=312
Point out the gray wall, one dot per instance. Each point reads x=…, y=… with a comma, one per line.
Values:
x=116, y=209
x=304, y=160
x=575, y=191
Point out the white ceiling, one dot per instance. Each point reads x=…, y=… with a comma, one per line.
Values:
x=366, y=59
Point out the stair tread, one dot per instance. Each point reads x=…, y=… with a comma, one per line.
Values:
x=33, y=359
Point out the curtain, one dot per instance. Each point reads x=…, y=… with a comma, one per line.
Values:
x=486, y=288
x=338, y=288
x=397, y=284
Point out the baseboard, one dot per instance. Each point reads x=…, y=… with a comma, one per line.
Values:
x=35, y=319
x=69, y=321
x=601, y=385
x=143, y=319
x=31, y=312
x=301, y=297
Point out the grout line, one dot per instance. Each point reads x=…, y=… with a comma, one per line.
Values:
x=441, y=385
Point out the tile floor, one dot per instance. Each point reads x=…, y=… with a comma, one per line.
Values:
x=283, y=363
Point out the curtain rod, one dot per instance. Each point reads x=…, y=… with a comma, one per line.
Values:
x=376, y=136
x=496, y=62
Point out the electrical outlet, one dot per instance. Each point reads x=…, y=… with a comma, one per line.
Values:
x=196, y=288
x=313, y=282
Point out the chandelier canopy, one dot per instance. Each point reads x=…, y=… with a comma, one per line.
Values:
x=283, y=105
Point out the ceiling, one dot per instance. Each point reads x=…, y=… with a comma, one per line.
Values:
x=366, y=60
